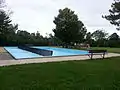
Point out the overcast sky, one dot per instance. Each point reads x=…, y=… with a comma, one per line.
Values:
x=38, y=15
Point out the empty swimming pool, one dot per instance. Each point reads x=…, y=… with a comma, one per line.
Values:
x=23, y=54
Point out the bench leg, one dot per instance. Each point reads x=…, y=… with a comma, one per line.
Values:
x=91, y=56
x=103, y=55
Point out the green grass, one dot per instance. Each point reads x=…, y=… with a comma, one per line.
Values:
x=74, y=75
x=113, y=50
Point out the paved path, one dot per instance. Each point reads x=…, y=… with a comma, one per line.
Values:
x=2, y=50
x=5, y=56
x=52, y=59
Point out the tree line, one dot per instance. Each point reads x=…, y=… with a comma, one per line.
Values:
x=68, y=31
x=98, y=38
x=10, y=35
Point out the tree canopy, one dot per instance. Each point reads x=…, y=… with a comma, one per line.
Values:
x=114, y=36
x=99, y=34
x=7, y=30
x=88, y=38
x=10, y=35
x=68, y=27
x=69, y=30
x=114, y=16
x=114, y=40
x=100, y=37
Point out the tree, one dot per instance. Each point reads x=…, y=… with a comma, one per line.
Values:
x=68, y=28
x=114, y=16
x=38, y=35
x=89, y=38
x=23, y=37
x=10, y=35
x=100, y=37
x=114, y=36
x=54, y=40
x=6, y=28
x=114, y=40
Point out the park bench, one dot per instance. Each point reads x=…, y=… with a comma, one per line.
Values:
x=97, y=52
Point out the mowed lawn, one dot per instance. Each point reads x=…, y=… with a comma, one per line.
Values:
x=101, y=74
x=113, y=50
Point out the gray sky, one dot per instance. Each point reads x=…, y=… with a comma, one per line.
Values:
x=38, y=15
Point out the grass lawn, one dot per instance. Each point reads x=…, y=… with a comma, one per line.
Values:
x=73, y=75
x=114, y=50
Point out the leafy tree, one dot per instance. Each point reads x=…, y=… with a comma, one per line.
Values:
x=100, y=37
x=89, y=38
x=7, y=30
x=114, y=40
x=69, y=28
x=54, y=40
x=10, y=35
x=114, y=16
x=33, y=37
x=4, y=22
x=23, y=37
x=114, y=36
x=38, y=35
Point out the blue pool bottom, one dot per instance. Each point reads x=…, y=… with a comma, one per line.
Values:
x=23, y=54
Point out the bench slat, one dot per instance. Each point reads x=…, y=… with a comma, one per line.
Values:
x=97, y=51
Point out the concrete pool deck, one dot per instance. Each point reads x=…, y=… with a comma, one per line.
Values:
x=52, y=59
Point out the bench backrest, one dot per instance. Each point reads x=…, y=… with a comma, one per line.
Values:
x=97, y=51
